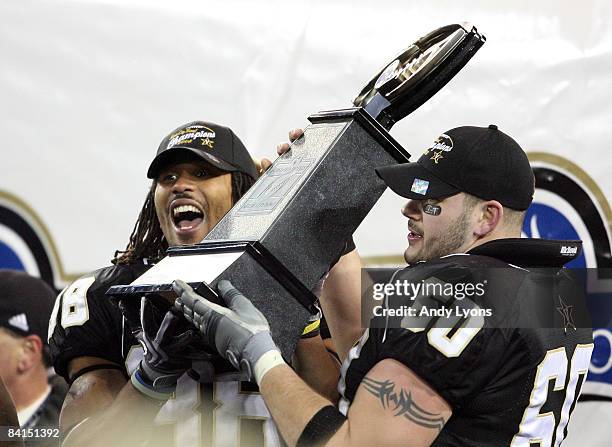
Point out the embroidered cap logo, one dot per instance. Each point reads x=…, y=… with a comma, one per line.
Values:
x=189, y=135
x=442, y=144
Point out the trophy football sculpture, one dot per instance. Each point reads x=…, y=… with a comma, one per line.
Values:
x=282, y=236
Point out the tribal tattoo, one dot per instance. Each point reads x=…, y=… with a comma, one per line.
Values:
x=402, y=403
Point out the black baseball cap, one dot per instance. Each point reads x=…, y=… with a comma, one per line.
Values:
x=26, y=303
x=216, y=144
x=482, y=161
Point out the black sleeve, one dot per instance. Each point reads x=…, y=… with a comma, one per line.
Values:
x=85, y=322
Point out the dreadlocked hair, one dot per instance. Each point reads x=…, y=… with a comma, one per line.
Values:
x=240, y=185
x=147, y=239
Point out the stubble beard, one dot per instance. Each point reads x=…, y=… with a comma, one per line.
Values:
x=447, y=242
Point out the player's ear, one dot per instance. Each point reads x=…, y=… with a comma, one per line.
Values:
x=489, y=216
x=31, y=352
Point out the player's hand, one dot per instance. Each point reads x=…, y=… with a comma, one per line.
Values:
x=130, y=309
x=294, y=134
x=166, y=351
x=262, y=165
x=240, y=332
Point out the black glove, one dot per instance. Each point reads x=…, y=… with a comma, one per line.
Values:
x=130, y=309
x=169, y=350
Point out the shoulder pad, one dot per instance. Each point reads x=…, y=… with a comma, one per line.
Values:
x=527, y=252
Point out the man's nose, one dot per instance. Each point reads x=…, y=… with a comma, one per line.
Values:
x=412, y=209
x=182, y=184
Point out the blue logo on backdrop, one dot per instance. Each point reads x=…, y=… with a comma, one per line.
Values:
x=564, y=209
x=545, y=222
x=9, y=259
x=21, y=243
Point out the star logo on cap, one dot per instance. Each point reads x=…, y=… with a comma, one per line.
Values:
x=207, y=142
x=566, y=312
x=437, y=155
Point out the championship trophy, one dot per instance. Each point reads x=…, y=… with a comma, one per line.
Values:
x=282, y=236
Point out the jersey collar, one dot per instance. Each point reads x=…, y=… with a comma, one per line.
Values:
x=528, y=252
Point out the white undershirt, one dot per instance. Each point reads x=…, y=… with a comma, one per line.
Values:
x=28, y=411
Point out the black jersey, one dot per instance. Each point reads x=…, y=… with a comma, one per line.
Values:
x=508, y=381
x=226, y=412
x=86, y=323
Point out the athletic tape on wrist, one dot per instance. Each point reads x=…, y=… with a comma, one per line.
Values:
x=138, y=383
x=323, y=425
x=266, y=362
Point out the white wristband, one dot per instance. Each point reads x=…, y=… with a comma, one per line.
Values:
x=266, y=362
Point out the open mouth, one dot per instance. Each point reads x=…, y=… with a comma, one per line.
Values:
x=186, y=217
x=413, y=234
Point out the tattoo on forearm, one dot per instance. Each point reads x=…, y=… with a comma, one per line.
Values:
x=402, y=403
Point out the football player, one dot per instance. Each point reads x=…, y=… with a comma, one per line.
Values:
x=120, y=395
x=487, y=379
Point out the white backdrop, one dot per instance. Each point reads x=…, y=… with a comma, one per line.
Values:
x=88, y=89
